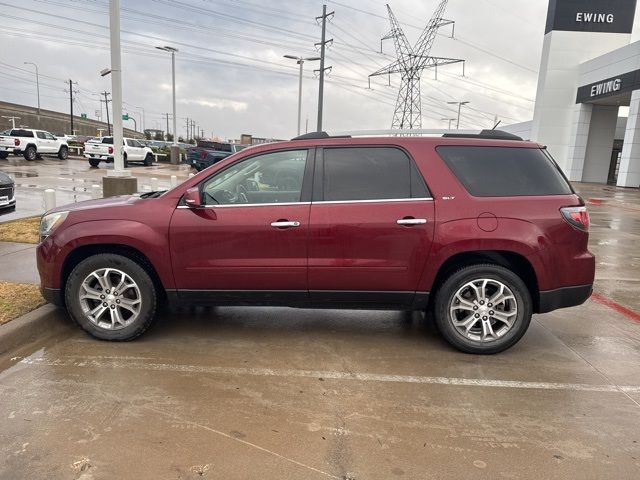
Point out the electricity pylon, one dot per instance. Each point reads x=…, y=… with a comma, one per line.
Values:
x=410, y=64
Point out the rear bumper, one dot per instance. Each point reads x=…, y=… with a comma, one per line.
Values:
x=564, y=297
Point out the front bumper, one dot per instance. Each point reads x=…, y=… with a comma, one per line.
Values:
x=564, y=297
x=10, y=204
x=52, y=295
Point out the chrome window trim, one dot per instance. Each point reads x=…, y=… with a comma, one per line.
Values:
x=271, y=204
x=284, y=204
x=380, y=200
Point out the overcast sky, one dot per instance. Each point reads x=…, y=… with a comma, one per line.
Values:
x=232, y=79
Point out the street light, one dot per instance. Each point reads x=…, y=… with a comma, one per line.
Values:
x=449, y=120
x=37, y=83
x=300, y=61
x=460, y=104
x=174, y=146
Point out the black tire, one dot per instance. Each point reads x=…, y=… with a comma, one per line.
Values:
x=94, y=162
x=30, y=153
x=148, y=160
x=63, y=153
x=124, y=159
x=4, y=155
x=147, y=289
x=446, y=295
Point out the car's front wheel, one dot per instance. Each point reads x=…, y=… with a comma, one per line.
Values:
x=111, y=297
x=148, y=160
x=483, y=309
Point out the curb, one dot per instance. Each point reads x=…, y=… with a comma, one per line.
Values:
x=39, y=324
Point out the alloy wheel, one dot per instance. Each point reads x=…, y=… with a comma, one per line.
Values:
x=110, y=299
x=483, y=310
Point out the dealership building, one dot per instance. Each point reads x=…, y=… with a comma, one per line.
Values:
x=589, y=69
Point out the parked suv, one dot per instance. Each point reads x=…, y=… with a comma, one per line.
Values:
x=480, y=231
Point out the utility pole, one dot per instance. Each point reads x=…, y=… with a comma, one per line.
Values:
x=106, y=106
x=322, y=44
x=460, y=104
x=37, y=85
x=167, y=135
x=175, y=149
x=13, y=120
x=71, y=103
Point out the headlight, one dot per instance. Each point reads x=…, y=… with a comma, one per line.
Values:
x=50, y=222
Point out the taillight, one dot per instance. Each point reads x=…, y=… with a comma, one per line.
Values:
x=577, y=217
x=16, y=142
x=110, y=150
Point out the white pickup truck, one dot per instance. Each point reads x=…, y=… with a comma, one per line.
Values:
x=32, y=144
x=132, y=151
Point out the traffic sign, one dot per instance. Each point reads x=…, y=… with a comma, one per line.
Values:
x=125, y=116
x=83, y=115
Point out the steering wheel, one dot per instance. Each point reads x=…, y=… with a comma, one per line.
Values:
x=242, y=194
x=252, y=185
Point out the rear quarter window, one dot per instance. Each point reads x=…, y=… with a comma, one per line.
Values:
x=505, y=171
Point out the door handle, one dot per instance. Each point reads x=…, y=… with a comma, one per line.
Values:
x=411, y=221
x=285, y=224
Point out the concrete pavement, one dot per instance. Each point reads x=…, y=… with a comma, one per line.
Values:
x=18, y=261
x=285, y=393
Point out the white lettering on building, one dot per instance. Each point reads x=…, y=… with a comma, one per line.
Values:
x=606, y=87
x=587, y=17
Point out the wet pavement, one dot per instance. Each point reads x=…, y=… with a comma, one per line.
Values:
x=285, y=393
x=72, y=180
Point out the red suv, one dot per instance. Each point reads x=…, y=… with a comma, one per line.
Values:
x=480, y=230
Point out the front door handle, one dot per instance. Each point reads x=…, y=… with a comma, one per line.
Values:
x=411, y=221
x=285, y=224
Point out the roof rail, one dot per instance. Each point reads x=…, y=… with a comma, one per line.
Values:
x=493, y=134
x=318, y=135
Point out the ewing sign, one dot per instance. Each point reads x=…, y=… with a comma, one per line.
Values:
x=609, y=87
x=606, y=87
x=613, y=16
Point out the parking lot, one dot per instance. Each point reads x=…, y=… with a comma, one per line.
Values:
x=286, y=393
x=71, y=179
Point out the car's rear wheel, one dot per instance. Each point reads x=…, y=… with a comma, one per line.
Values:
x=94, y=162
x=4, y=155
x=30, y=153
x=148, y=160
x=111, y=297
x=483, y=309
x=124, y=160
x=63, y=153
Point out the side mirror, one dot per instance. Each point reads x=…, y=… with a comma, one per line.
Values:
x=192, y=198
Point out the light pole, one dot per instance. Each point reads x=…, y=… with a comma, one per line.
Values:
x=300, y=61
x=175, y=150
x=37, y=83
x=460, y=104
x=448, y=120
x=118, y=181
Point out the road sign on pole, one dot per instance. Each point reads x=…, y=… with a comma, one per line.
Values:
x=125, y=116
x=83, y=115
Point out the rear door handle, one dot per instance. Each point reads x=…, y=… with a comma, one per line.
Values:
x=285, y=224
x=411, y=221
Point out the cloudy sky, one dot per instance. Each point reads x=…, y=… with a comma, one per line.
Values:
x=232, y=79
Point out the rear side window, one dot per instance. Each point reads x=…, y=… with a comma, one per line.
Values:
x=505, y=171
x=108, y=140
x=22, y=133
x=370, y=173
